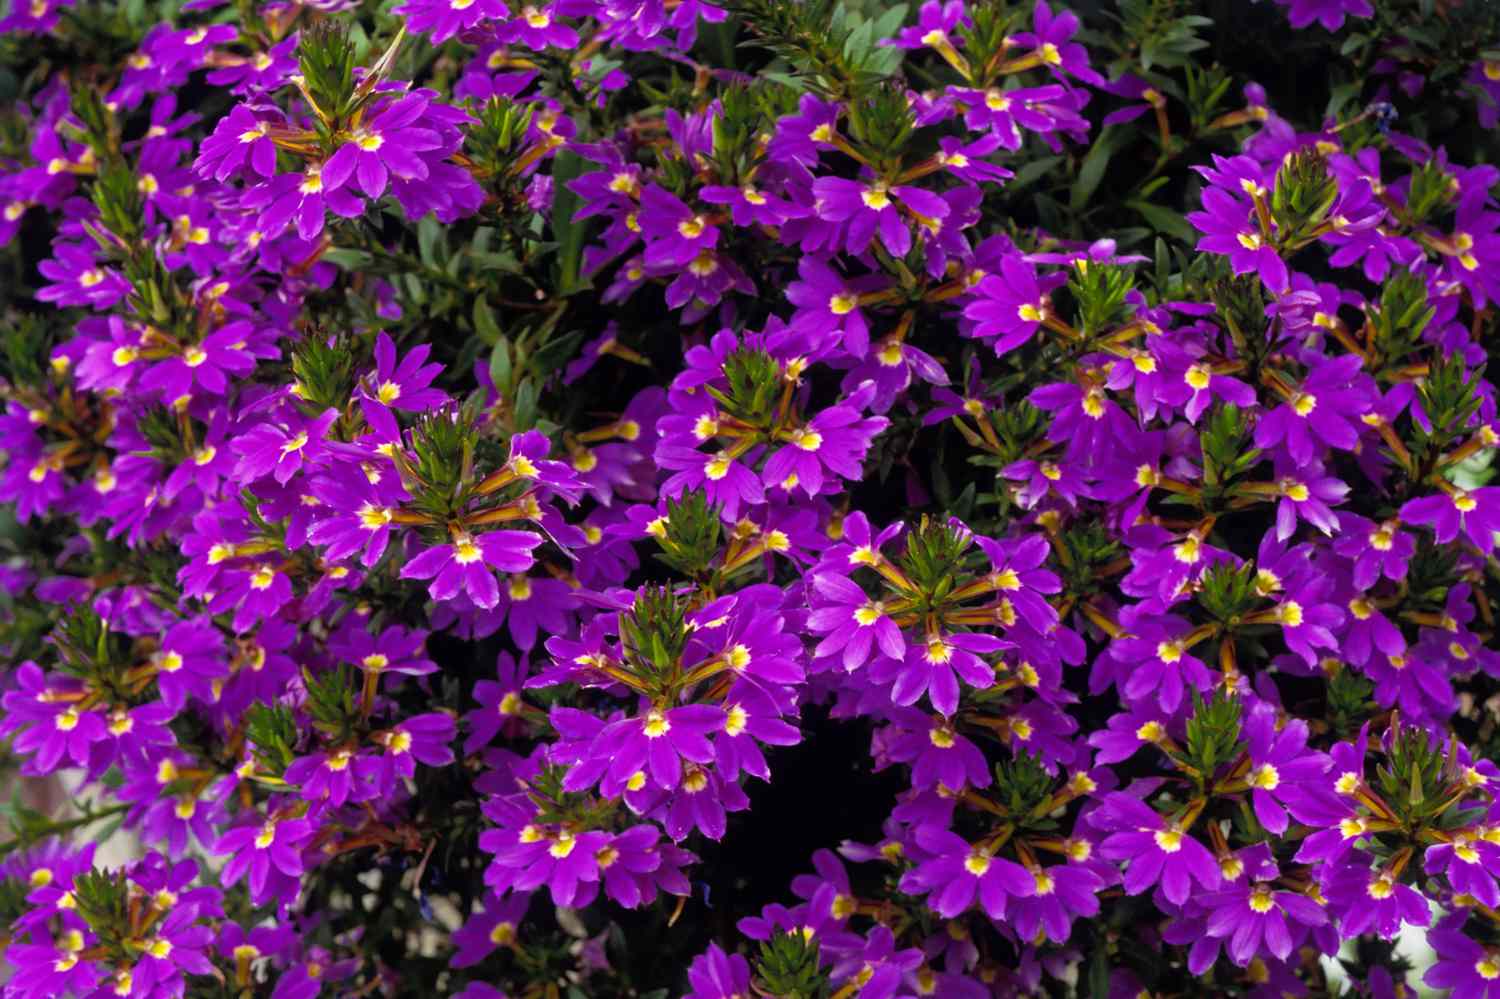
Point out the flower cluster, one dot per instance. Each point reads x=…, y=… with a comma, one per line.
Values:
x=485, y=483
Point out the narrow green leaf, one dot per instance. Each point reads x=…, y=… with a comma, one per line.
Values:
x=1092, y=171
x=1166, y=220
x=484, y=322
x=429, y=233
x=570, y=232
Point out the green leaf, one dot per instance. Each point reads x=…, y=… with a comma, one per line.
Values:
x=859, y=42
x=500, y=365
x=429, y=234
x=570, y=232
x=1340, y=97
x=1092, y=171
x=484, y=322
x=1165, y=220
x=526, y=396
x=718, y=39
x=1099, y=974
x=887, y=24
x=1032, y=172
x=349, y=258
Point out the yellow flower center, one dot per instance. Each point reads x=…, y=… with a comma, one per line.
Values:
x=717, y=467
x=1266, y=777
x=374, y=517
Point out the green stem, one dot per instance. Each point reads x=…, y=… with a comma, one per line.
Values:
x=28, y=836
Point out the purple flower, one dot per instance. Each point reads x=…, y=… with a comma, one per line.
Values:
x=536, y=27
x=718, y=975
x=300, y=198
x=1049, y=40
x=209, y=365
x=1010, y=306
x=1329, y=13
x=494, y=925
x=388, y=145
x=77, y=279
x=404, y=386
x=834, y=440
x=241, y=139
x=1156, y=849
x=1064, y=892
x=329, y=777
x=500, y=705
x=938, y=755
x=267, y=854
x=853, y=623
x=443, y=19
x=875, y=207
x=653, y=745
x=191, y=657
x=934, y=665
x=1254, y=914
x=956, y=873
x=358, y=515
x=1157, y=661
x=1377, y=549
x=419, y=739
x=1324, y=409
x=1475, y=512
x=561, y=859
x=1229, y=227
x=1470, y=863
x=1279, y=764
x=936, y=22
x=1463, y=964
x=468, y=563
x=1368, y=900
x=675, y=235
x=827, y=303
x=280, y=451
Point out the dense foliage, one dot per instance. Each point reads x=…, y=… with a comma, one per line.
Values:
x=798, y=498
